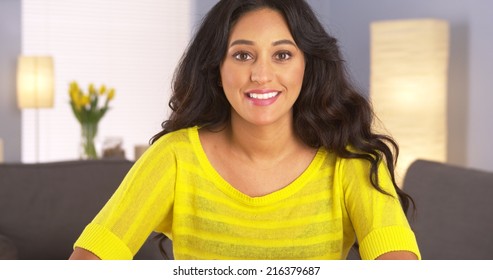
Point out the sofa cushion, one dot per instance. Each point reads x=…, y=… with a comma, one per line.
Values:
x=8, y=250
x=44, y=207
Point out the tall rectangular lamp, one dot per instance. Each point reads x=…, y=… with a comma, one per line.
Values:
x=35, y=86
x=408, y=86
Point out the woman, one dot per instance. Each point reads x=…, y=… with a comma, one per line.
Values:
x=268, y=154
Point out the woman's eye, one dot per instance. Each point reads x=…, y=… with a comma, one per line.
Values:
x=242, y=56
x=283, y=56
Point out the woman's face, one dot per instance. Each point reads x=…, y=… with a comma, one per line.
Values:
x=263, y=69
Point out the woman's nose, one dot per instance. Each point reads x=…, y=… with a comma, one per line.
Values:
x=262, y=71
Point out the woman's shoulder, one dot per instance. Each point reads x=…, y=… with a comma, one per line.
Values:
x=336, y=158
x=176, y=142
x=354, y=165
x=184, y=135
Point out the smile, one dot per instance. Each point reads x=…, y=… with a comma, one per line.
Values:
x=267, y=95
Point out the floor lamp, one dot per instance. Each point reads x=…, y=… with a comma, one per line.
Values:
x=35, y=86
x=409, y=62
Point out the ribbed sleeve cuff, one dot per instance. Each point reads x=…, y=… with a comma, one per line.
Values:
x=103, y=243
x=388, y=239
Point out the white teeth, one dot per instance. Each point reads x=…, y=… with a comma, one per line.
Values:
x=263, y=95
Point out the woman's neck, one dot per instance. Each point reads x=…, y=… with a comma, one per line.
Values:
x=262, y=143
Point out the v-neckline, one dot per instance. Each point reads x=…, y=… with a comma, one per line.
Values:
x=234, y=193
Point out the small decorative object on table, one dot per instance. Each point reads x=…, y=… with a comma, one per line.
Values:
x=112, y=148
x=89, y=108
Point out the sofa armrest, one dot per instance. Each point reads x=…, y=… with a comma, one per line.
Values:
x=453, y=210
x=8, y=250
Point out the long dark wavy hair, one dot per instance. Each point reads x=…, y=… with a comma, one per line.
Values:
x=329, y=111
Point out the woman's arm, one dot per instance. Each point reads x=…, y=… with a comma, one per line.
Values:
x=398, y=255
x=82, y=254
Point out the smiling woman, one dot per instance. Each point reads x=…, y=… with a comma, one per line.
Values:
x=268, y=153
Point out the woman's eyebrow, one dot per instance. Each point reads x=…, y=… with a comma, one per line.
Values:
x=242, y=42
x=282, y=42
x=251, y=43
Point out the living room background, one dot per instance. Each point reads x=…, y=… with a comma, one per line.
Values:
x=471, y=64
x=132, y=46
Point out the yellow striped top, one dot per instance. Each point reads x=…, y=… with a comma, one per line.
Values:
x=174, y=189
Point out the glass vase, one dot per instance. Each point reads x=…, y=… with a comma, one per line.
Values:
x=88, y=150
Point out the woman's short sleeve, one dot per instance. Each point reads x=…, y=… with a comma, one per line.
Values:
x=141, y=204
x=379, y=222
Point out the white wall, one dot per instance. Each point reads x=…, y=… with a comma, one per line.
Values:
x=132, y=46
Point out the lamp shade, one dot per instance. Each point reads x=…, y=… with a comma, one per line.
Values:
x=409, y=61
x=35, y=82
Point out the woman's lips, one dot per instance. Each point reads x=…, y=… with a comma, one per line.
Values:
x=266, y=95
x=263, y=98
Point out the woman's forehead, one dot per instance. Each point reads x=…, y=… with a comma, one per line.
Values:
x=256, y=24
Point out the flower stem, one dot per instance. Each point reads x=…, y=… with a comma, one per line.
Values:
x=88, y=148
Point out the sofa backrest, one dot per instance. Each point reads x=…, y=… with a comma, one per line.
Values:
x=44, y=207
x=454, y=217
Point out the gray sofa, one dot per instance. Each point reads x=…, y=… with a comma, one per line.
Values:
x=44, y=207
x=454, y=217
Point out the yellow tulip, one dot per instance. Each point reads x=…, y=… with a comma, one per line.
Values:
x=73, y=89
x=74, y=86
x=85, y=104
x=111, y=94
x=102, y=89
x=84, y=100
x=73, y=95
x=92, y=89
